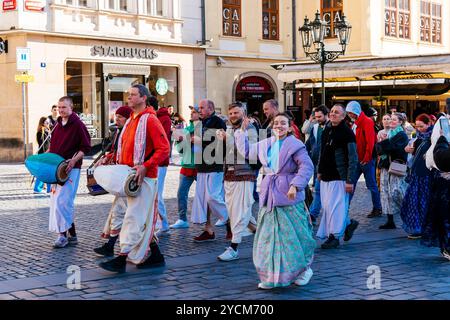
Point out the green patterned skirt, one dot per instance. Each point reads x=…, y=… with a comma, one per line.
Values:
x=284, y=245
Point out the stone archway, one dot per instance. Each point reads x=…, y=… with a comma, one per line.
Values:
x=254, y=88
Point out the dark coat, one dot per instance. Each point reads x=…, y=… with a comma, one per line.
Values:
x=441, y=154
x=209, y=140
x=393, y=149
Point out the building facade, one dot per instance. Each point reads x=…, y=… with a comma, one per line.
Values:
x=243, y=38
x=93, y=51
x=399, y=54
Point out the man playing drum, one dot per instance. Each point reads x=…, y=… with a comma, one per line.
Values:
x=142, y=145
x=115, y=218
x=71, y=140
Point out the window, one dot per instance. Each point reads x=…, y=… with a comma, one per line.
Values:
x=397, y=18
x=78, y=3
x=231, y=17
x=270, y=19
x=430, y=22
x=120, y=5
x=331, y=14
x=155, y=7
x=83, y=85
x=123, y=5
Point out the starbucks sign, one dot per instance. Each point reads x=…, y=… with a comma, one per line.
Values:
x=162, y=86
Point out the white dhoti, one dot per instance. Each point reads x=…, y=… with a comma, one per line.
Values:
x=335, y=203
x=62, y=200
x=115, y=218
x=208, y=194
x=139, y=222
x=239, y=201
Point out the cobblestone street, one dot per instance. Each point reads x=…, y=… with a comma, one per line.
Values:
x=31, y=269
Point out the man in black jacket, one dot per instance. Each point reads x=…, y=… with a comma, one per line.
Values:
x=209, y=158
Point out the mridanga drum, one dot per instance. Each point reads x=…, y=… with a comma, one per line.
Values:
x=48, y=167
x=94, y=188
x=117, y=180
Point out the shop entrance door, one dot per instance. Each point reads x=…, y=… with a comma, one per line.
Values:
x=116, y=92
x=118, y=78
x=254, y=91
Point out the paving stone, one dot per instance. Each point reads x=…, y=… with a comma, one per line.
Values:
x=408, y=270
x=23, y=294
x=41, y=292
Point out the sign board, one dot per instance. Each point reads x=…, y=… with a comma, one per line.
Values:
x=9, y=5
x=23, y=59
x=34, y=5
x=254, y=84
x=24, y=78
x=123, y=52
x=162, y=86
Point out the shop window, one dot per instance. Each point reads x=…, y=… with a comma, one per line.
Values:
x=331, y=12
x=430, y=22
x=270, y=15
x=231, y=18
x=397, y=18
x=163, y=84
x=83, y=85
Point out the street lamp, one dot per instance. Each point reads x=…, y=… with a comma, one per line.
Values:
x=312, y=33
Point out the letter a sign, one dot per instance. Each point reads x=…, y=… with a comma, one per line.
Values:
x=23, y=59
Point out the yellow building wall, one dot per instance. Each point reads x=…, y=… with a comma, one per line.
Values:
x=11, y=128
x=246, y=54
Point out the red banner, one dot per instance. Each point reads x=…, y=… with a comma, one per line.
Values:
x=34, y=5
x=9, y=5
x=254, y=85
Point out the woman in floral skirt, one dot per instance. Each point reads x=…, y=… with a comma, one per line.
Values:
x=283, y=248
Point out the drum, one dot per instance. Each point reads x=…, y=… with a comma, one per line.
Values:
x=48, y=168
x=94, y=188
x=117, y=180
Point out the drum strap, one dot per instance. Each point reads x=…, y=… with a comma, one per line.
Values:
x=48, y=137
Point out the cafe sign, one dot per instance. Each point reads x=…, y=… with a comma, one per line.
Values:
x=123, y=52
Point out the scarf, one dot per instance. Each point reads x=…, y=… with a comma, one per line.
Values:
x=139, y=140
x=425, y=135
x=273, y=155
x=393, y=132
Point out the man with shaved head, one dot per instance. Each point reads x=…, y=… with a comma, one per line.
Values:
x=336, y=171
x=209, y=159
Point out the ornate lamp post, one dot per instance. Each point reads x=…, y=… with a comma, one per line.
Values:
x=312, y=34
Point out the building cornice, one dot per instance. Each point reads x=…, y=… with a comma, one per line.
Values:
x=246, y=56
x=94, y=37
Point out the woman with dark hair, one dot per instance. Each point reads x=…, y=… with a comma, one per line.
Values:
x=283, y=248
x=178, y=121
x=417, y=197
x=393, y=187
x=42, y=133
